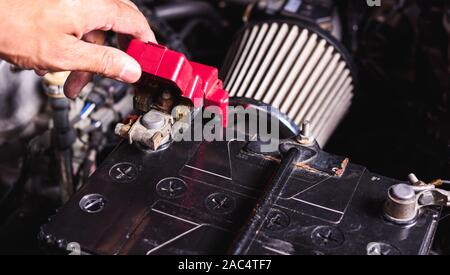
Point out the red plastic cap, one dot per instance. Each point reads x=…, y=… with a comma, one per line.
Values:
x=198, y=82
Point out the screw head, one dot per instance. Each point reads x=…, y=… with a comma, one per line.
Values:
x=124, y=172
x=327, y=237
x=171, y=188
x=220, y=203
x=377, y=248
x=276, y=220
x=74, y=248
x=92, y=203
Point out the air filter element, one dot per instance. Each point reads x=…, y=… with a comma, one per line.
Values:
x=297, y=68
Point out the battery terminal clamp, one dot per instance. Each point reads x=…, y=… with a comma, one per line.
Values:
x=404, y=201
x=169, y=83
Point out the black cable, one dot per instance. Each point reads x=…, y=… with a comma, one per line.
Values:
x=265, y=203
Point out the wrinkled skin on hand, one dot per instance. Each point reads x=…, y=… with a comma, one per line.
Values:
x=68, y=35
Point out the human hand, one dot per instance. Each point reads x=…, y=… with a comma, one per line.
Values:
x=67, y=35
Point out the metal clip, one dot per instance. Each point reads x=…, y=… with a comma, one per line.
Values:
x=405, y=200
x=434, y=196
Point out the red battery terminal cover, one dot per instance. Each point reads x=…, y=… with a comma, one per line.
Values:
x=197, y=82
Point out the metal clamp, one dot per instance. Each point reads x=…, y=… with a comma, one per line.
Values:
x=151, y=130
x=404, y=201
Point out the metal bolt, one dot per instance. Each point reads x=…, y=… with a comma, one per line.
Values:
x=327, y=237
x=74, y=248
x=153, y=120
x=171, y=188
x=219, y=203
x=413, y=179
x=376, y=248
x=277, y=220
x=306, y=128
x=124, y=172
x=403, y=191
x=92, y=203
x=306, y=136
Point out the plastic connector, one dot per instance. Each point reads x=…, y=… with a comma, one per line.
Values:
x=197, y=82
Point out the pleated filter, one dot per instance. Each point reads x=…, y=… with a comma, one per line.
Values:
x=293, y=68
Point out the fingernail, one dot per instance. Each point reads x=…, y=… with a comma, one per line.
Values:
x=131, y=72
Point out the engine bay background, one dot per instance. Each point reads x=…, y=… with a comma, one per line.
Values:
x=398, y=122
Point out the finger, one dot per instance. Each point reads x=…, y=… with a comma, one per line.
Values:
x=124, y=40
x=76, y=82
x=107, y=61
x=96, y=37
x=119, y=17
x=131, y=4
x=40, y=72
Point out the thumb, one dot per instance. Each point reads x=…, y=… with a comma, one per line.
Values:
x=107, y=61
